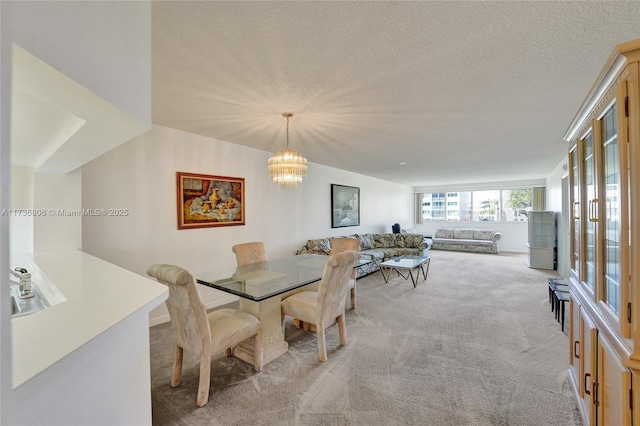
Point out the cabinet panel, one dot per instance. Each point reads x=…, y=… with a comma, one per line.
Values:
x=589, y=196
x=576, y=346
x=612, y=388
x=588, y=338
x=610, y=217
x=574, y=177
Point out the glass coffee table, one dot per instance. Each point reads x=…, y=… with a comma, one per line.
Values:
x=405, y=265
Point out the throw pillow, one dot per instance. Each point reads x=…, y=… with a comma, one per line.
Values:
x=366, y=241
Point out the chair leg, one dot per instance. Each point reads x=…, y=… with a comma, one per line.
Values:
x=322, y=346
x=176, y=376
x=353, y=297
x=342, y=327
x=258, y=351
x=205, y=380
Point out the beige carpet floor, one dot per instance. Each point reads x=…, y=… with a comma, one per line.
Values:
x=476, y=344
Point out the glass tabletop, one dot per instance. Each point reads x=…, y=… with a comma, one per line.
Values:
x=406, y=261
x=259, y=281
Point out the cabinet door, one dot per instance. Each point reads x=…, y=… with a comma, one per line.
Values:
x=575, y=348
x=588, y=338
x=574, y=178
x=612, y=388
x=613, y=212
x=611, y=217
x=589, y=195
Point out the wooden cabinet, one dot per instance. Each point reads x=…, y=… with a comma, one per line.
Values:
x=604, y=173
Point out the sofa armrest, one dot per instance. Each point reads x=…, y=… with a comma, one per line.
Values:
x=497, y=236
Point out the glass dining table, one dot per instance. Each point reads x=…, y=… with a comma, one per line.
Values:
x=261, y=287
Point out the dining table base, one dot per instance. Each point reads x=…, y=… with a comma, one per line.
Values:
x=269, y=313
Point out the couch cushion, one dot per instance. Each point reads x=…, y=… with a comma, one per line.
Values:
x=401, y=242
x=366, y=241
x=322, y=245
x=413, y=240
x=373, y=253
x=463, y=234
x=384, y=240
x=444, y=233
x=483, y=234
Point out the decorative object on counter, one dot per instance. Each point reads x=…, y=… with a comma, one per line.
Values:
x=287, y=167
x=345, y=206
x=205, y=200
x=203, y=333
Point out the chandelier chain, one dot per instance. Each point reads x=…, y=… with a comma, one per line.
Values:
x=287, y=132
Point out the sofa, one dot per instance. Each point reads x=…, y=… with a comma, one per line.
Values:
x=467, y=239
x=377, y=247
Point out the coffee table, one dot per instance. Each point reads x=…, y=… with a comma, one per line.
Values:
x=405, y=265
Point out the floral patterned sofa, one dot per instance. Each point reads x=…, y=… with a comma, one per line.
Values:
x=378, y=247
x=467, y=239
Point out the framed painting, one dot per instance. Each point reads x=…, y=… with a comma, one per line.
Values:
x=205, y=200
x=345, y=206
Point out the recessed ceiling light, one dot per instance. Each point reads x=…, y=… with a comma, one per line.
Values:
x=403, y=163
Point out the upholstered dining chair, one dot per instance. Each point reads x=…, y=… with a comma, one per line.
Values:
x=247, y=253
x=324, y=307
x=200, y=332
x=338, y=245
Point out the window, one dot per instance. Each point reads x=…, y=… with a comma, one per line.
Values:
x=494, y=205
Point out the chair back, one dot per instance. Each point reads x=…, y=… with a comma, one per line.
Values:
x=248, y=253
x=338, y=245
x=186, y=310
x=334, y=286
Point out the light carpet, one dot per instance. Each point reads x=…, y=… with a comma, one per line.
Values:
x=476, y=344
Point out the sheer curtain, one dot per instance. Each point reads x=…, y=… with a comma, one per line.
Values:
x=418, y=208
x=537, y=198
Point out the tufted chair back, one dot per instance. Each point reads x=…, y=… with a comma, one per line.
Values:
x=248, y=253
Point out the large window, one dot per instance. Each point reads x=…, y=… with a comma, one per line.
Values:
x=511, y=205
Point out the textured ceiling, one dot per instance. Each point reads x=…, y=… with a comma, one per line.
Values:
x=463, y=92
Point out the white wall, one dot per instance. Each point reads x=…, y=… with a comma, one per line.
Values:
x=22, y=184
x=56, y=230
x=5, y=203
x=79, y=389
x=105, y=46
x=141, y=176
x=555, y=202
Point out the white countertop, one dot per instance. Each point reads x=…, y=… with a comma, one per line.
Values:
x=98, y=295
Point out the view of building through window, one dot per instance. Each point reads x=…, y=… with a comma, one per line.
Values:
x=511, y=205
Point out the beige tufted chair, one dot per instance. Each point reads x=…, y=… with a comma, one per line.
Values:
x=323, y=307
x=200, y=332
x=339, y=245
x=248, y=253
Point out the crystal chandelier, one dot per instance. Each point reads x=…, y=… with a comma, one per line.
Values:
x=287, y=167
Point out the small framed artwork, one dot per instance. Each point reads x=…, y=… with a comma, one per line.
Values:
x=205, y=200
x=345, y=206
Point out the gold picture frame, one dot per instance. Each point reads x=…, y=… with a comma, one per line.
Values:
x=209, y=200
